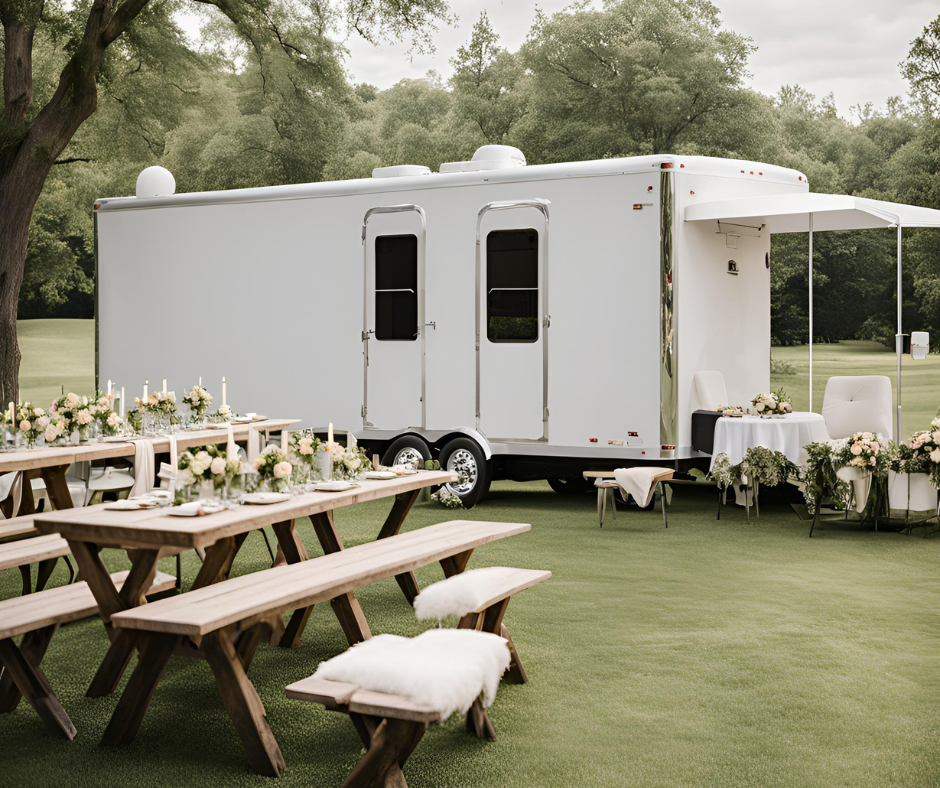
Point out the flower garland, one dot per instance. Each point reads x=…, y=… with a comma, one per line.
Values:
x=925, y=451
x=760, y=465
x=158, y=403
x=820, y=475
x=863, y=451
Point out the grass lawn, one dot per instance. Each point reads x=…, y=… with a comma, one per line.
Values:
x=56, y=354
x=920, y=380
x=708, y=654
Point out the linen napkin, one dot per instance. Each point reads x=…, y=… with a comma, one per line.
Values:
x=143, y=468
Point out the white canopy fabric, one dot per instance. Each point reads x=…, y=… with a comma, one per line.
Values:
x=790, y=213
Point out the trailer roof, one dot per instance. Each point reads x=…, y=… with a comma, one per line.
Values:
x=696, y=165
x=789, y=213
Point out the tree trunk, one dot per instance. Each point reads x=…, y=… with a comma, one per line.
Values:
x=19, y=191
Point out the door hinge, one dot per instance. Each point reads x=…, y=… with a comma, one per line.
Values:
x=365, y=334
x=545, y=414
x=432, y=324
x=547, y=321
x=363, y=411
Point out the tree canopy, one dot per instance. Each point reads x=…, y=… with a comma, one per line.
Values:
x=263, y=97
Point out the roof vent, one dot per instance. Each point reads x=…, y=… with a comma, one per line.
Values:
x=400, y=171
x=488, y=157
x=155, y=182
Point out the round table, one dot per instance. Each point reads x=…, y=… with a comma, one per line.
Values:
x=787, y=434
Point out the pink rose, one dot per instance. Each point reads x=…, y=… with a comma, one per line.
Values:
x=282, y=470
x=103, y=402
x=935, y=455
x=25, y=425
x=306, y=446
x=875, y=447
x=856, y=449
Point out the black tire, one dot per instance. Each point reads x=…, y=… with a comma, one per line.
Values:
x=571, y=485
x=405, y=449
x=464, y=456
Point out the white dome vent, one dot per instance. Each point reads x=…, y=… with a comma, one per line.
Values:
x=488, y=157
x=400, y=171
x=155, y=182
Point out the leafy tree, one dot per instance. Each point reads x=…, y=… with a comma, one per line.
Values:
x=488, y=82
x=102, y=43
x=638, y=76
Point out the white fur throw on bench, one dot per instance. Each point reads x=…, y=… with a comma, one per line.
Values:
x=457, y=595
x=443, y=670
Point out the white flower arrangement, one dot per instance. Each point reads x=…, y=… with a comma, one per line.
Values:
x=198, y=399
x=776, y=403
x=348, y=463
x=274, y=467
x=209, y=463
x=158, y=402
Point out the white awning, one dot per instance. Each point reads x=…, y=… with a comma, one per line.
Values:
x=789, y=213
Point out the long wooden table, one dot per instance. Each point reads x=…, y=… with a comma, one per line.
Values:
x=52, y=462
x=151, y=534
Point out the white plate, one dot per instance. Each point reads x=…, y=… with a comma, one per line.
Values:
x=263, y=498
x=131, y=506
x=334, y=486
x=381, y=475
x=194, y=509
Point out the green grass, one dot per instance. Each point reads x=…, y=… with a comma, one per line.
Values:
x=706, y=654
x=920, y=380
x=57, y=355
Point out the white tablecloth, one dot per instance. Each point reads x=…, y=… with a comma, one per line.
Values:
x=789, y=434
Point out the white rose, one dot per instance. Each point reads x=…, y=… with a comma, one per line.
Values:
x=282, y=470
x=103, y=402
x=39, y=411
x=218, y=466
x=60, y=425
x=84, y=417
x=935, y=455
x=42, y=422
x=51, y=433
x=72, y=400
x=306, y=446
x=114, y=420
x=184, y=477
x=760, y=406
x=353, y=463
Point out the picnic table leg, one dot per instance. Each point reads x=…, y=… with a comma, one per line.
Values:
x=243, y=704
x=218, y=561
x=455, y=564
x=155, y=652
x=491, y=620
x=391, y=744
x=110, y=601
x=293, y=550
x=56, y=486
x=407, y=581
x=33, y=647
x=326, y=532
x=32, y=682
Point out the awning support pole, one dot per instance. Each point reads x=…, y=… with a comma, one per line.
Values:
x=811, y=312
x=899, y=341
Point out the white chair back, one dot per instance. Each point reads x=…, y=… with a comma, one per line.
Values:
x=708, y=390
x=857, y=403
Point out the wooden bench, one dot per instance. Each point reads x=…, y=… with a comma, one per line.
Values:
x=42, y=550
x=494, y=587
x=225, y=622
x=36, y=617
x=17, y=528
x=390, y=727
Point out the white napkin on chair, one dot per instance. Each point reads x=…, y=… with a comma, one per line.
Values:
x=143, y=468
x=639, y=482
x=11, y=484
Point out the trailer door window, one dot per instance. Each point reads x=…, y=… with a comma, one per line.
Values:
x=396, y=287
x=512, y=286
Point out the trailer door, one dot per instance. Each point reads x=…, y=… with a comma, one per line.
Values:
x=512, y=321
x=393, y=317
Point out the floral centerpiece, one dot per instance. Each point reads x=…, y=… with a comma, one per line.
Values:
x=207, y=465
x=274, y=468
x=302, y=454
x=348, y=462
x=925, y=450
x=776, y=403
x=102, y=410
x=198, y=399
x=160, y=402
x=862, y=451
x=74, y=413
x=31, y=422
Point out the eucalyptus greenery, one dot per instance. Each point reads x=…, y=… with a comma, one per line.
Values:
x=819, y=474
x=759, y=465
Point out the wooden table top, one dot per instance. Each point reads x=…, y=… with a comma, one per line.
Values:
x=32, y=459
x=154, y=528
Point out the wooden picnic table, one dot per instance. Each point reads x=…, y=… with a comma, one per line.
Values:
x=51, y=463
x=149, y=535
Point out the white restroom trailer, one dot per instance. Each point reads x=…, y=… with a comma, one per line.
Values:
x=513, y=321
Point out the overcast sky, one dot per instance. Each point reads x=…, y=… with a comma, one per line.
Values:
x=849, y=47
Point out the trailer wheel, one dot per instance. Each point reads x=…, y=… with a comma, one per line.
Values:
x=407, y=450
x=464, y=457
